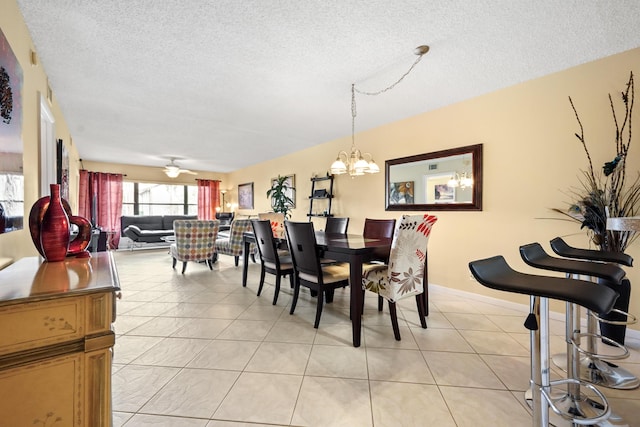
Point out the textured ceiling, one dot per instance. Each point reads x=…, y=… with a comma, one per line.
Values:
x=224, y=84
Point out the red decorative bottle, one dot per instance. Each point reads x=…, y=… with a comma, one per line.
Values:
x=54, y=229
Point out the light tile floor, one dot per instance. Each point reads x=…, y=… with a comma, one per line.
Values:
x=200, y=350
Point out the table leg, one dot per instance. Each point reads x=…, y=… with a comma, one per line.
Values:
x=245, y=261
x=355, y=278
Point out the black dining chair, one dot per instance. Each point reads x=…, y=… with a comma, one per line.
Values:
x=271, y=260
x=336, y=225
x=323, y=279
x=378, y=229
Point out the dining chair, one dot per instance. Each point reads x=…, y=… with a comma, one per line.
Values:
x=404, y=275
x=336, y=225
x=323, y=279
x=277, y=223
x=378, y=229
x=195, y=241
x=271, y=261
x=233, y=245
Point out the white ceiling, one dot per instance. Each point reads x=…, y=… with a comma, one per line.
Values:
x=223, y=84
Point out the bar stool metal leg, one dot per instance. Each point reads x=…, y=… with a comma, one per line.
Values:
x=540, y=361
x=592, y=366
x=586, y=411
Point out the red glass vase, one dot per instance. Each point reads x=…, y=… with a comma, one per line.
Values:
x=54, y=228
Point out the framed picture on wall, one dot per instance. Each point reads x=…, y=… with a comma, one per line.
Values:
x=438, y=189
x=62, y=161
x=401, y=192
x=245, y=196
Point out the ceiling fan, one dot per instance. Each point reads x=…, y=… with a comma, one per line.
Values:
x=173, y=170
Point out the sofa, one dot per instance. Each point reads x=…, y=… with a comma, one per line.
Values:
x=225, y=218
x=149, y=228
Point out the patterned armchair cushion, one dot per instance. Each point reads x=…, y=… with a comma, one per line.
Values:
x=277, y=223
x=195, y=239
x=404, y=275
x=233, y=245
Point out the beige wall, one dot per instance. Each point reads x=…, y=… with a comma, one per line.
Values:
x=531, y=161
x=18, y=244
x=150, y=174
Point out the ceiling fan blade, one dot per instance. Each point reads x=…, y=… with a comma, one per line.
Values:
x=188, y=171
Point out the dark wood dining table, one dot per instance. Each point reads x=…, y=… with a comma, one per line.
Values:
x=351, y=248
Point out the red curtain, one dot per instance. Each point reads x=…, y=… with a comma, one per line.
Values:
x=208, y=198
x=100, y=201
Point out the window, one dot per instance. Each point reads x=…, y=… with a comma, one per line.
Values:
x=142, y=198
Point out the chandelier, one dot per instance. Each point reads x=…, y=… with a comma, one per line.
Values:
x=461, y=180
x=355, y=162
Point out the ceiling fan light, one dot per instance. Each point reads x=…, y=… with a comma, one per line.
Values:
x=172, y=171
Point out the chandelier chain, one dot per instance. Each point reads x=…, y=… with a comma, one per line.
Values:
x=353, y=114
x=393, y=84
x=355, y=163
x=362, y=92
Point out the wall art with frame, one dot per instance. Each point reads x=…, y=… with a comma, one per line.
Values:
x=438, y=189
x=245, y=196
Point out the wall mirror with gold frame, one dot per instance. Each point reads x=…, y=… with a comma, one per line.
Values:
x=447, y=180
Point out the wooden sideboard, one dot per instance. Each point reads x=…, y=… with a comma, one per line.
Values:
x=56, y=341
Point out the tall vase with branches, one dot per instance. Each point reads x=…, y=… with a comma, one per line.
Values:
x=279, y=194
x=608, y=193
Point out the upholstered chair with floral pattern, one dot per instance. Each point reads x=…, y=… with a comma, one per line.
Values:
x=195, y=241
x=277, y=223
x=233, y=244
x=404, y=275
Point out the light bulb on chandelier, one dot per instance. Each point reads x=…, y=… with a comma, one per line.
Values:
x=461, y=180
x=355, y=162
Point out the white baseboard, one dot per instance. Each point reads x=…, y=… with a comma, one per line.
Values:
x=631, y=333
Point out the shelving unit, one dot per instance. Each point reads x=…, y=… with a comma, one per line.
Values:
x=317, y=185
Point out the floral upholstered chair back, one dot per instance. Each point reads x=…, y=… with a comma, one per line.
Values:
x=195, y=239
x=404, y=275
x=277, y=223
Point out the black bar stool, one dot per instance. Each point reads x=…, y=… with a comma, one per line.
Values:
x=534, y=255
x=495, y=273
x=593, y=368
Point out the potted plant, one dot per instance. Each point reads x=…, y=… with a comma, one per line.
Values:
x=279, y=194
x=609, y=193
